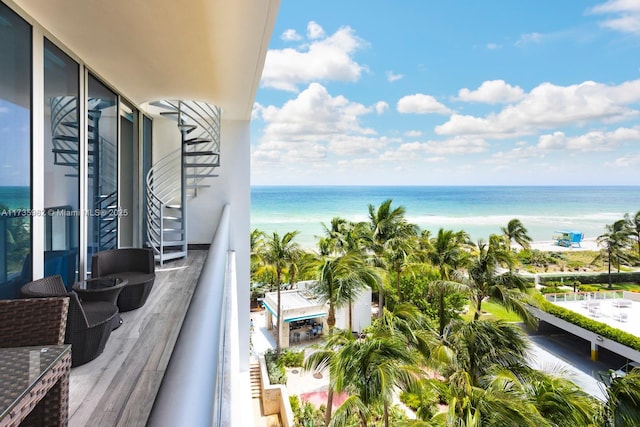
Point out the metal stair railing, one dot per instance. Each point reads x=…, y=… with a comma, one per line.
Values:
x=66, y=151
x=162, y=191
x=189, y=165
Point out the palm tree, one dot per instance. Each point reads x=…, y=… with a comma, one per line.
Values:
x=486, y=280
x=446, y=252
x=325, y=358
x=409, y=325
x=634, y=225
x=335, y=236
x=481, y=386
x=339, y=281
x=371, y=370
x=622, y=408
x=500, y=402
x=481, y=344
x=515, y=231
x=277, y=256
x=385, y=225
x=614, y=242
x=256, y=247
x=559, y=400
x=397, y=256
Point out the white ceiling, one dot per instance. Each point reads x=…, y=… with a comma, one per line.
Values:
x=205, y=50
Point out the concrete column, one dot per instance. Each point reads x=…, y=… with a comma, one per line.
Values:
x=268, y=320
x=594, y=351
x=284, y=335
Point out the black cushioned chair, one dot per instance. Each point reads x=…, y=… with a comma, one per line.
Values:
x=33, y=322
x=89, y=324
x=134, y=264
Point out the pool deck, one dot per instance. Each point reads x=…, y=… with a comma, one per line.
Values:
x=606, y=307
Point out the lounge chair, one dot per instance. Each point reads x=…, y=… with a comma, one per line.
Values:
x=620, y=317
x=134, y=264
x=89, y=324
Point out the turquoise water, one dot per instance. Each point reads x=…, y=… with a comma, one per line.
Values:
x=480, y=211
x=15, y=197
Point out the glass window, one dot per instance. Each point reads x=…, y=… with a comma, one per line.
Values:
x=15, y=152
x=61, y=164
x=102, y=169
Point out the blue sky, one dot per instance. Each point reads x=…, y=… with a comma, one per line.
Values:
x=450, y=93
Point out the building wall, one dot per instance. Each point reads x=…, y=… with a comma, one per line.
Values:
x=360, y=313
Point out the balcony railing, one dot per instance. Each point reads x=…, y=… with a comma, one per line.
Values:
x=197, y=388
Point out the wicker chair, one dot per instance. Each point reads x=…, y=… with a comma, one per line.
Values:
x=89, y=324
x=134, y=264
x=33, y=322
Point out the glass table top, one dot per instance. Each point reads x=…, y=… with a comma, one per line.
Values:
x=21, y=368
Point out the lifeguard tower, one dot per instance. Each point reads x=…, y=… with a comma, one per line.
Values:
x=568, y=238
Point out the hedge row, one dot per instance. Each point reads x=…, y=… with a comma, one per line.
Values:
x=599, y=328
x=593, y=278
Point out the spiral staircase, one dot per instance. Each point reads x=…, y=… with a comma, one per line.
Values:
x=180, y=174
x=101, y=154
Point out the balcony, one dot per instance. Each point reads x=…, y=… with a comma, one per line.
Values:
x=172, y=336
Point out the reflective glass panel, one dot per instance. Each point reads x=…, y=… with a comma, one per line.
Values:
x=15, y=152
x=61, y=164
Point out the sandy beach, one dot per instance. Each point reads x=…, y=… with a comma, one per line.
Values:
x=551, y=246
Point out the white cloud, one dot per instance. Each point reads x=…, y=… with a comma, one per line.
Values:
x=314, y=112
x=492, y=92
x=548, y=106
x=314, y=30
x=590, y=141
x=627, y=13
x=324, y=59
x=391, y=77
x=522, y=153
x=381, y=107
x=351, y=145
x=413, y=133
x=626, y=162
x=493, y=46
x=421, y=104
x=529, y=38
x=315, y=125
x=256, y=111
x=291, y=35
x=414, y=150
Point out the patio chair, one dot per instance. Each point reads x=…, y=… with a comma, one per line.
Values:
x=33, y=322
x=89, y=323
x=134, y=264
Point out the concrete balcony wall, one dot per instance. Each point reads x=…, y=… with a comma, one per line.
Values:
x=275, y=397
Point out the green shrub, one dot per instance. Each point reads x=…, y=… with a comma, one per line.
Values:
x=575, y=264
x=305, y=414
x=291, y=358
x=593, y=278
x=553, y=290
x=277, y=374
x=589, y=288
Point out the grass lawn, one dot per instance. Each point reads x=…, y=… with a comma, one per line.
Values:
x=493, y=310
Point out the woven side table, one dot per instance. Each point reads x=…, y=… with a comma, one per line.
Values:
x=34, y=385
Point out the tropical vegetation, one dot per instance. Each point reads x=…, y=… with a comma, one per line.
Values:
x=448, y=367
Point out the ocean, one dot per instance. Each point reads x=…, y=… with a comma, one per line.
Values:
x=479, y=210
x=15, y=197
